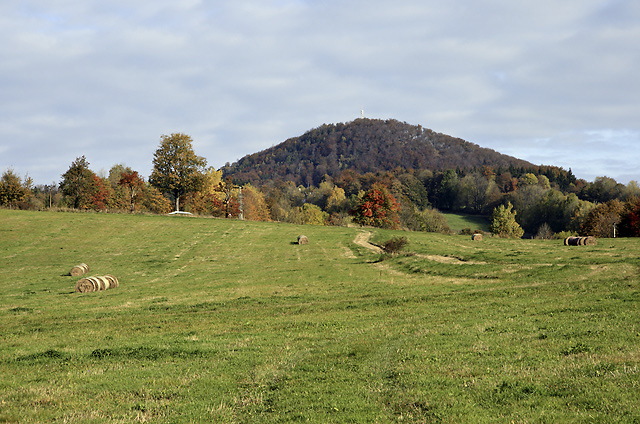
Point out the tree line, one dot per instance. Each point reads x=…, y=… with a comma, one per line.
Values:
x=542, y=202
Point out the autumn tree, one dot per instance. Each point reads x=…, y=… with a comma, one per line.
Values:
x=376, y=208
x=177, y=170
x=630, y=222
x=78, y=184
x=254, y=206
x=503, y=222
x=600, y=220
x=13, y=189
x=153, y=201
x=134, y=184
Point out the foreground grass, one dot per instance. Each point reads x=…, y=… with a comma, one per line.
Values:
x=230, y=321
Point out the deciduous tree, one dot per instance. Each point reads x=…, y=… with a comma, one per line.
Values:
x=503, y=222
x=376, y=208
x=13, y=189
x=177, y=170
x=135, y=184
x=254, y=206
x=601, y=219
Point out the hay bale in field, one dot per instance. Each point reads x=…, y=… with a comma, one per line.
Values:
x=572, y=241
x=79, y=270
x=303, y=239
x=93, y=284
x=476, y=237
x=113, y=281
x=580, y=241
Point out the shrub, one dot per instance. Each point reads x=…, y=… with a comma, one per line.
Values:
x=395, y=245
x=544, y=232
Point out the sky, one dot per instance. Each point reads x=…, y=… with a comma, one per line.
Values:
x=554, y=83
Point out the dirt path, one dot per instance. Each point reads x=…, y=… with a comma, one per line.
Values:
x=362, y=239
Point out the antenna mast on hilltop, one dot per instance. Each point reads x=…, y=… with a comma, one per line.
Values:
x=362, y=112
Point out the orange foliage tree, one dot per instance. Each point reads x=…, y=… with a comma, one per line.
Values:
x=377, y=208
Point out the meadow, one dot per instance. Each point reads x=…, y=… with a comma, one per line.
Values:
x=226, y=321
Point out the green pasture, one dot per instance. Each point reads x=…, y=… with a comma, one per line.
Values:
x=457, y=222
x=226, y=321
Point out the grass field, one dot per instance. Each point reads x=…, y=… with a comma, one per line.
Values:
x=457, y=222
x=232, y=322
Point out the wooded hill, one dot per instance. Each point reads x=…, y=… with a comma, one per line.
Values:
x=365, y=145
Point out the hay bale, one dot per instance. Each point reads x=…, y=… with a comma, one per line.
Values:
x=476, y=237
x=572, y=241
x=94, y=284
x=580, y=241
x=113, y=281
x=79, y=270
x=303, y=239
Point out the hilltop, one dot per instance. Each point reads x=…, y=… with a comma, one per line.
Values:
x=365, y=145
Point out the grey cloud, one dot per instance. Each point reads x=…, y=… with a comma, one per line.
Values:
x=105, y=80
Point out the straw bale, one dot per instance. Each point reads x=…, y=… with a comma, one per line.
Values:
x=113, y=281
x=79, y=270
x=303, y=239
x=93, y=284
x=580, y=241
x=476, y=237
x=84, y=285
x=572, y=241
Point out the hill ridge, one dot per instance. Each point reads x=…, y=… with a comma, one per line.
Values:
x=364, y=145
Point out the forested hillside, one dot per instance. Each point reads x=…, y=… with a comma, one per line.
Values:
x=369, y=172
x=364, y=145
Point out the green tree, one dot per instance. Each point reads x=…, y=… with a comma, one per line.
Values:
x=13, y=189
x=528, y=179
x=308, y=214
x=78, y=184
x=376, y=208
x=503, y=222
x=177, y=170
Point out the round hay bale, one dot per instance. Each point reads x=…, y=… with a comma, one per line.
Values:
x=93, y=284
x=79, y=270
x=113, y=281
x=303, y=239
x=580, y=241
x=85, y=285
x=572, y=241
x=476, y=237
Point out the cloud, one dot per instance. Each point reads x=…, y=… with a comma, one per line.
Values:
x=106, y=80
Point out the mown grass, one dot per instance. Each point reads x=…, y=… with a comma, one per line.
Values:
x=230, y=321
x=457, y=222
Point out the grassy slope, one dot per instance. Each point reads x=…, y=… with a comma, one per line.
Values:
x=459, y=222
x=228, y=321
